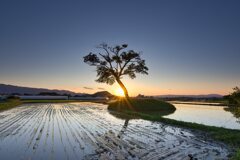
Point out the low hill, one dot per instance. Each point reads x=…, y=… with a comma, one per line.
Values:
x=102, y=94
x=11, y=89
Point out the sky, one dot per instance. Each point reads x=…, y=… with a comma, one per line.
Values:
x=190, y=47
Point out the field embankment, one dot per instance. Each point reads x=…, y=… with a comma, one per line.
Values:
x=142, y=109
x=9, y=104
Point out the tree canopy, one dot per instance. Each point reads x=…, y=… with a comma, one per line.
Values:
x=115, y=62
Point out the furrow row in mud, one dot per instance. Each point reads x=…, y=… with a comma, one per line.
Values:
x=89, y=131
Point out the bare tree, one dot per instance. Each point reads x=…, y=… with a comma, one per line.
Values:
x=114, y=63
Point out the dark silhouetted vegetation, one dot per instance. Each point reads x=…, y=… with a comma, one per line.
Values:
x=234, y=97
x=234, y=102
x=116, y=62
x=141, y=105
x=49, y=94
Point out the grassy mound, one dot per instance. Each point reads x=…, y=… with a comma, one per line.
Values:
x=142, y=105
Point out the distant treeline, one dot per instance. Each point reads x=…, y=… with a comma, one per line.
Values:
x=189, y=99
x=234, y=102
x=185, y=98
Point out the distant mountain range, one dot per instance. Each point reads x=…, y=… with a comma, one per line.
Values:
x=191, y=96
x=11, y=89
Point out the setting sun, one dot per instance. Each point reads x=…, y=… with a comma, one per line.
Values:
x=119, y=92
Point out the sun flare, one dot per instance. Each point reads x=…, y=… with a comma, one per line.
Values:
x=119, y=92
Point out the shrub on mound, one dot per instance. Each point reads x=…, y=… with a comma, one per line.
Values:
x=141, y=105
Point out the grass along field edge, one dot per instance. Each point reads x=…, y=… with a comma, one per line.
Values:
x=8, y=104
x=231, y=137
x=4, y=105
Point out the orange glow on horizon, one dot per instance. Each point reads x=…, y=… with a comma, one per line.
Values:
x=147, y=89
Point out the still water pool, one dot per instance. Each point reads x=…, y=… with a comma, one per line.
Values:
x=205, y=114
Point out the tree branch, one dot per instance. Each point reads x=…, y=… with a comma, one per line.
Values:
x=120, y=73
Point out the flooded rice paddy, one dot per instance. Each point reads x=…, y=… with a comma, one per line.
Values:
x=89, y=131
x=205, y=114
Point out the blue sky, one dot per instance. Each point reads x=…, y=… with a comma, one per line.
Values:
x=190, y=47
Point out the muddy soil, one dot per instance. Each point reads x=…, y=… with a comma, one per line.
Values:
x=88, y=131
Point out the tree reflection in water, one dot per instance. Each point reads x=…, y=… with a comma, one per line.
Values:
x=123, y=117
x=127, y=118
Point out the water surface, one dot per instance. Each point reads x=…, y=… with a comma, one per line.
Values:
x=205, y=114
x=87, y=131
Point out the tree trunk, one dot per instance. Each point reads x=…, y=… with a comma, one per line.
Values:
x=123, y=88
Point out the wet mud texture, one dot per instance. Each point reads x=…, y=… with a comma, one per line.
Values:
x=88, y=131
